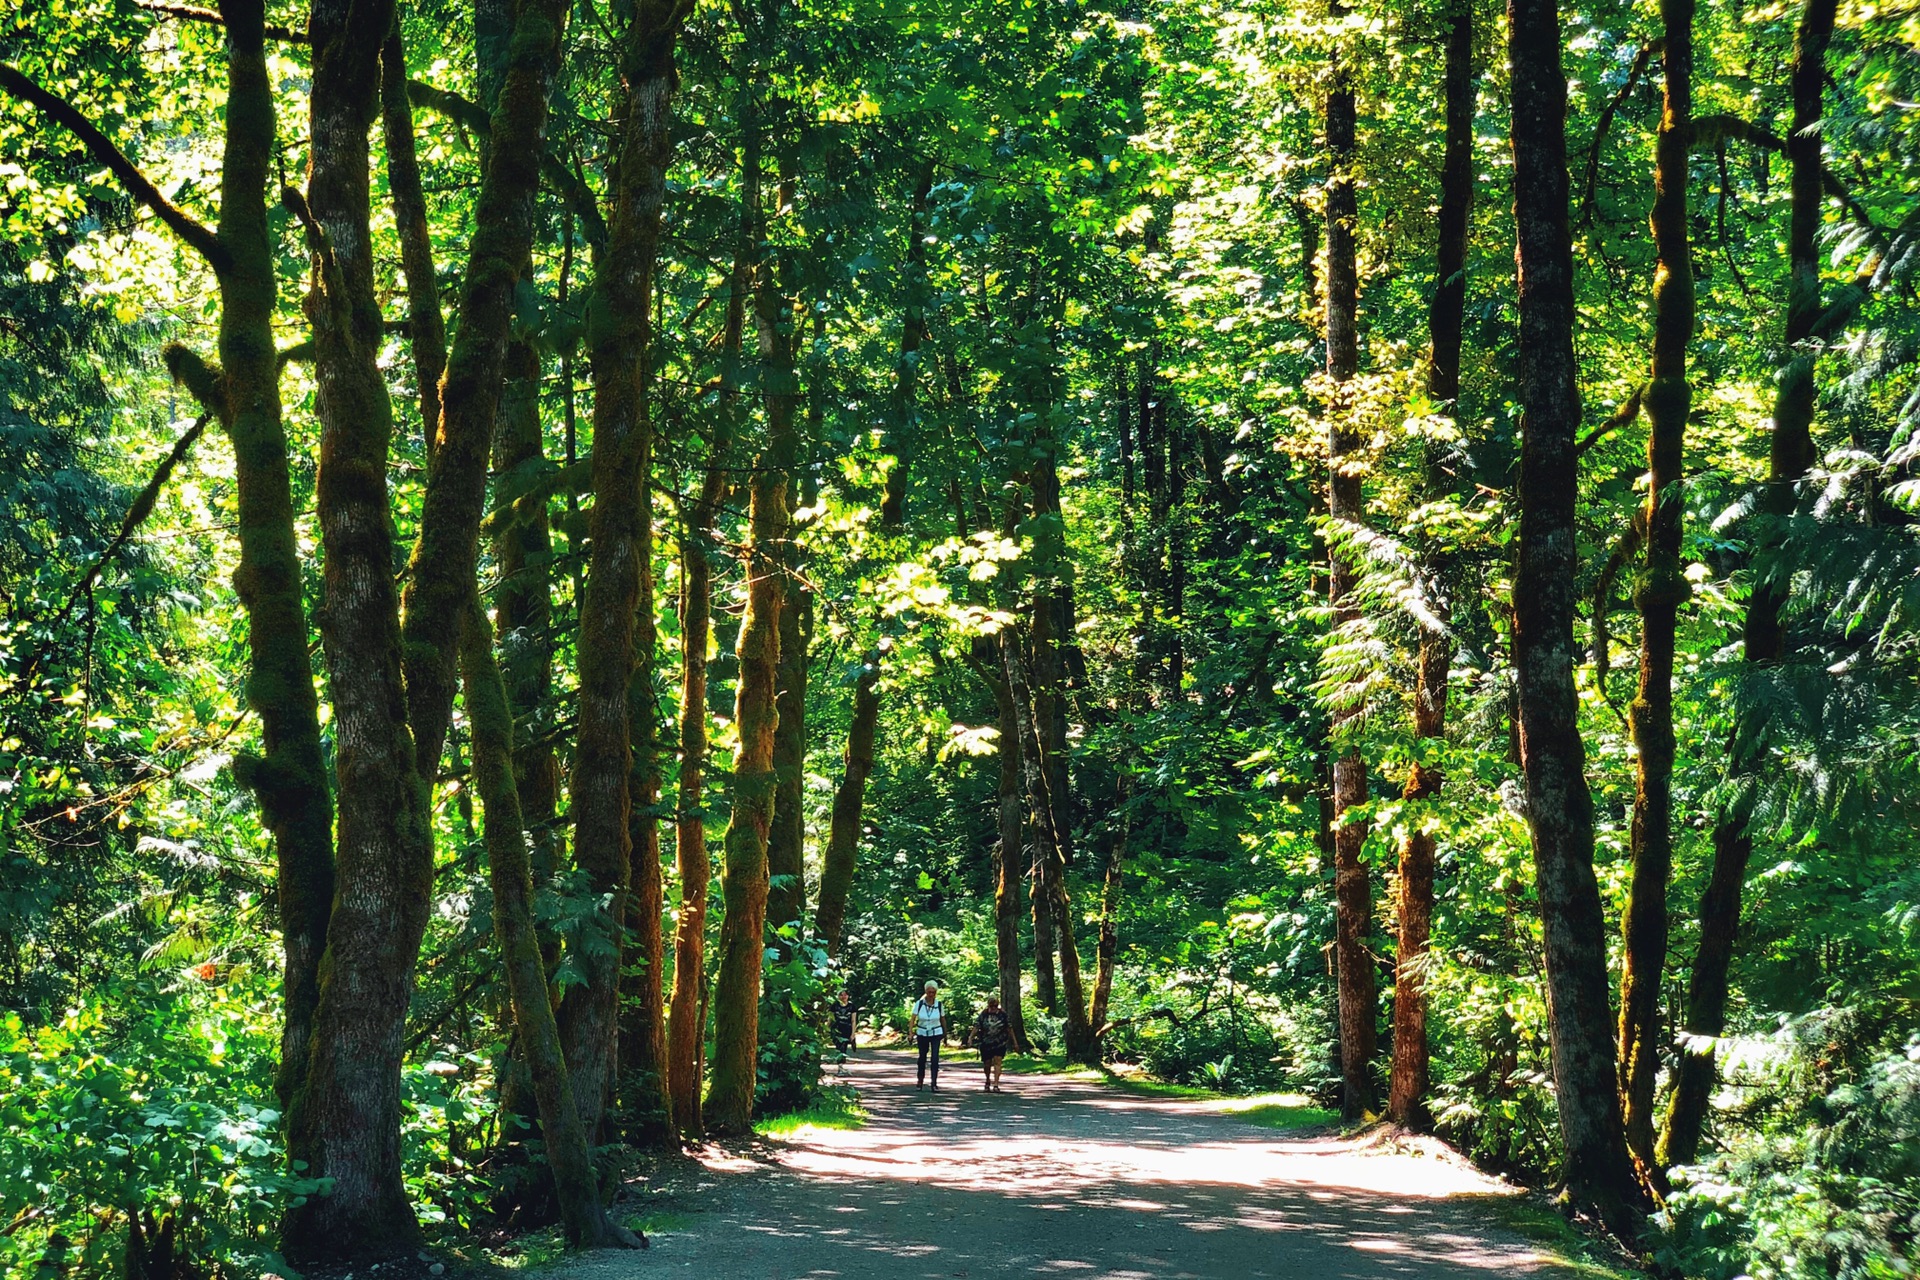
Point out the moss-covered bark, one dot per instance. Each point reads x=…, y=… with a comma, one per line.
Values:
x=619, y=335
x=843, y=830
x=345, y=1117
x=1791, y=454
x=1660, y=591
x=686, y=1026
x=787, y=837
x=736, y=1012
x=447, y=548
x=568, y=1154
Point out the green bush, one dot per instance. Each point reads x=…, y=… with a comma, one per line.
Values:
x=168, y=1111
x=1827, y=1188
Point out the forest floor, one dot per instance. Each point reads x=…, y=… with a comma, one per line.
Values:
x=1061, y=1176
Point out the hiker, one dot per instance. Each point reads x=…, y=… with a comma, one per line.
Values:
x=993, y=1037
x=929, y=1026
x=841, y=1021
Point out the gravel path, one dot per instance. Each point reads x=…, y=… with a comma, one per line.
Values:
x=1060, y=1178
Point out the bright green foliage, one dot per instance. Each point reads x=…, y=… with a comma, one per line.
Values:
x=156, y=1096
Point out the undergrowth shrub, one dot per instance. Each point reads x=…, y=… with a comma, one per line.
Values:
x=168, y=1111
x=1823, y=1181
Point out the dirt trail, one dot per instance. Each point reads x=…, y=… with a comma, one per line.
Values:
x=1061, y=1178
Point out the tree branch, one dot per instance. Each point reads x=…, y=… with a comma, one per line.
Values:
x=197, y=234
x=567, y=184
x=1605, y=123
x=1626, y=413
x=130, y=523
x=194, y=13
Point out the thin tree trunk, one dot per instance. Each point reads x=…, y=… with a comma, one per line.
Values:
x=621, y=354
x=1598, y=1171
x=787, y=838
x=1046, y=978
x=736, y=1014
x=426, y=327
x=1353, y=894
x=1109, y=948
x=1009, y=863
x=1765, y=640
x=1034, y=713
x=901, y=435
x=1661, y=590
x=1409, y=1081
x=843, y=833
x=568, y=1154
x=687, y=1016
x=345, y=1120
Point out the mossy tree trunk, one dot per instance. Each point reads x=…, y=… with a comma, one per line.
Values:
x=619, y=337
x=736, y=1000
x=288, y=778
x=1353, y=892
x=569, y=1157
x=698, y=554
x=345, y=1118
x=1659, y=593
x=1409, y=1078
x=1791, y=455
x=1598, y=1170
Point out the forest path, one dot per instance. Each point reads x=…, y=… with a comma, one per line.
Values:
x=1059, y=1177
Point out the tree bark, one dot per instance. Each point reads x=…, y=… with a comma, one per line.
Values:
x=569, y=1157
x=1791, y=456
x=1009, y=862
x=1598, y=1170
x=642, y=1055
x=1659, y=593
x=687, y=1016
x=1409, y=1079
x=787, y=838
x=843, y=832
x=426, y=327
x=620, y=334
x=1109, y=946
x=345, y=1118
x=1353, y=893
x=736, y=1014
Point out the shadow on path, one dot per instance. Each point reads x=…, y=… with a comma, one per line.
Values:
x=1059, y=1178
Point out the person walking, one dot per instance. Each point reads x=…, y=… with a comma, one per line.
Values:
x=929, y=1028
x=993, y=1036
x=841, y=1018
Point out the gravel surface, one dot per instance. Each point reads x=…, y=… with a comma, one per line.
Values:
x=1060, y=1178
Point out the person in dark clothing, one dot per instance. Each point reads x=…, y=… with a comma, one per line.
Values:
x=841, y=1018
x=929, y=1028
x=993, y=1036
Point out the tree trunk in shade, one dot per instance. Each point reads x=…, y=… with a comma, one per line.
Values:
x=736, y=997
x=1409, y=1079
x=620, y=547
x=1659, y=593
x=1353, y=893
x=1765, y=645
x=1598, y=1171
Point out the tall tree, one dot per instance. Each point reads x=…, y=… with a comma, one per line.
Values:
x=1661, y=589
x=1598, y=1170
x=736, y=997
x=1353, y=894
x=288, y=778
x=1408, y=1082
x=1791, y=454
x=698, y=551
x=620, y=330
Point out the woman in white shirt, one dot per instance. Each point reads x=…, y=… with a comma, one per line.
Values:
x=929, y=1026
